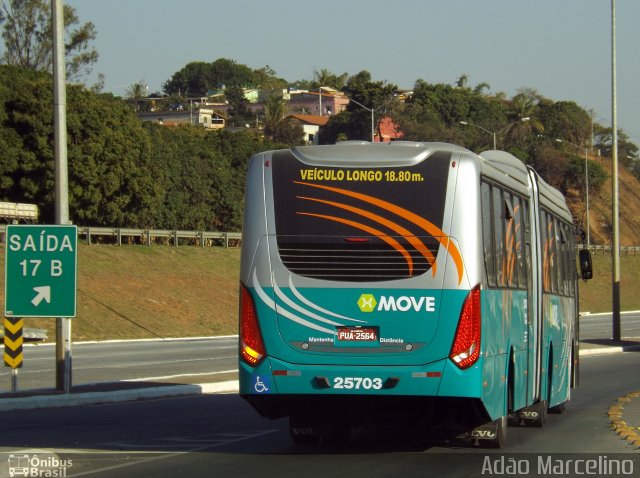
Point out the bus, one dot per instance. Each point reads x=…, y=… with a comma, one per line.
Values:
x=417, y=282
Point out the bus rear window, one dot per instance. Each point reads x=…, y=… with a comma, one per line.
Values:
x=359, y=224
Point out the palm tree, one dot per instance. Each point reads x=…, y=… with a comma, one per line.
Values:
x=462, y=81
x=322, y=77
x=273, y=112
x=481, y=87
x=137, y=91
x=325, y=78
x=524, y=105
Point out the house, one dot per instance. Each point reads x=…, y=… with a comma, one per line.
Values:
x=205, y=117
x=388, y=130
x=310, y=125
x=327, y=101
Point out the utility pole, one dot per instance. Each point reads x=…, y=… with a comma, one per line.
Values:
x=615, y=193
x=63, y=325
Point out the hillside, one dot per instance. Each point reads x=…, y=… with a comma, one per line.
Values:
x=600, y=207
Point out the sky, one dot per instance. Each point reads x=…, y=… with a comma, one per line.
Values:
x=561, y=48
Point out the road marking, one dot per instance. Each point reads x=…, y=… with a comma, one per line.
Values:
x=201, y=442
x=167, y=377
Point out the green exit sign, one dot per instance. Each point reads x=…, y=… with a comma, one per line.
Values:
x=40, y=271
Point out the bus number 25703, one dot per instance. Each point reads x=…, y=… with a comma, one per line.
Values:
x=357, y=383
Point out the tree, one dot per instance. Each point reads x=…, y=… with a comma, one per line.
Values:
x=194, y=79
x=265, y=78
x=273, y=113
x=276, y=127
x=355, y=122
x=28, y=37
x=603, y=142
x=324, y=77
x=239, y=104
x=462, y=81
x=450, y=104
x=566, y=120
x=136, y=92
x=198, y=77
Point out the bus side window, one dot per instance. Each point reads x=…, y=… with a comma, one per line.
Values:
x=566, y=259
x=498, y=229
x=519, y=245
x=487, y=234
x=560, y=243
x=544, y=242
x=553, y=254
x=511, y=264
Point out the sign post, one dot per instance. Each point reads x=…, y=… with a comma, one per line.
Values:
x=13, y=348
x=41, y=278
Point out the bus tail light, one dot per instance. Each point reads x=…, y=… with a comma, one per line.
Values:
x=252, y=348
x=466, y=344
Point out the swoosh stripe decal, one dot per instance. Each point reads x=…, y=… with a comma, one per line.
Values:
x=285, y=313
x=379, y=234
x=427, y=226
x=295, y=306
x=411, y=238
x=307, y=302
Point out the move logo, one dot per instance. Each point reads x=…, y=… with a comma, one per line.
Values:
x=367, y=303
x=404, y=303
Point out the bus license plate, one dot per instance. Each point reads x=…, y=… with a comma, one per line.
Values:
x=357, y=334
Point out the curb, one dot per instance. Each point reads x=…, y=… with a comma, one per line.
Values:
x=609, y=350
x=93, y=398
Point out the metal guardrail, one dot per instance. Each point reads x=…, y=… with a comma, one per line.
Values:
x=161, y=236
x=624, y=250
x=122, y=235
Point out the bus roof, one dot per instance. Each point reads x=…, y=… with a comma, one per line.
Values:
x=394, y=153
x=506, y=163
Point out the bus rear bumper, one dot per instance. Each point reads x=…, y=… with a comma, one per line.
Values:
x=361, y=394
x=274, y=377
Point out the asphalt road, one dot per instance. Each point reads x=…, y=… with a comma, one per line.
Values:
x=187, y=360
x=599, y=326
x=221, y=436
x=175, y=360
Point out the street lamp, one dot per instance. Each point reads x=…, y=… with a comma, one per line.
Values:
x=494, y=133
x=372, y=111
x=586, y=180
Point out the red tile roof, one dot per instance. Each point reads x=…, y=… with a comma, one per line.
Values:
x=311, y=119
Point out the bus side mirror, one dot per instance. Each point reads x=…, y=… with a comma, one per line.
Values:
x=586, y=269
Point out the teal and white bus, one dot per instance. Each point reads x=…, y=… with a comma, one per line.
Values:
x=405, y=280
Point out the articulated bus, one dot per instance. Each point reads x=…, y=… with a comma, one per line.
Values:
x=416, y=281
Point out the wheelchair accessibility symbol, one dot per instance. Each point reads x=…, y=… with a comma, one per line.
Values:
x=260, y=386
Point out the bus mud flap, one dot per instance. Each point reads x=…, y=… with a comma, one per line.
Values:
x=535, y=415
x=489, y=435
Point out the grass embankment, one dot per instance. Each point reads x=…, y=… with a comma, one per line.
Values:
x=158, y=291
x=162, y=291
x=595, y=295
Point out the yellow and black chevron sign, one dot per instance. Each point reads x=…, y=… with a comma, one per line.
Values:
x=13, y=342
